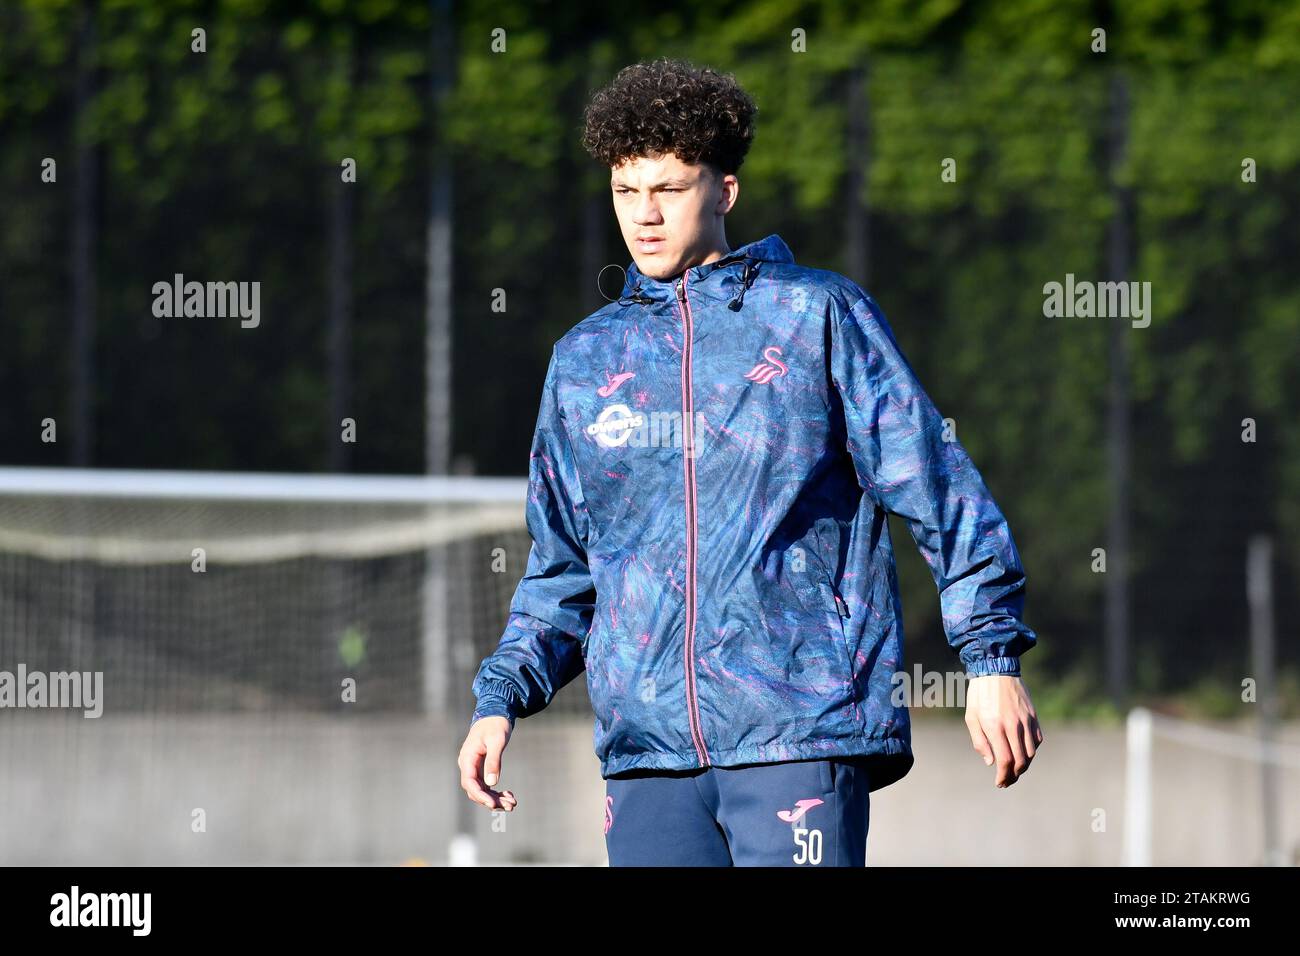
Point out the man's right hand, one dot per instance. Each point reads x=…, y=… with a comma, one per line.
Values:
x=480, y=762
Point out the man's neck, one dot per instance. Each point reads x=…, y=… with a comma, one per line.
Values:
x=722, y=250
x=718, y=252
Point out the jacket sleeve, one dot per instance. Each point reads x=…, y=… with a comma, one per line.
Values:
x=896, y=438
x=551, y=611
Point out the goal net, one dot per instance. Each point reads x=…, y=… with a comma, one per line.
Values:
x=283, y=661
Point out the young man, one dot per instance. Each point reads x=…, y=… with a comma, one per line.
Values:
x=714, y=458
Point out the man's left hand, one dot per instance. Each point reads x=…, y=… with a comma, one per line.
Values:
x=1002, y=723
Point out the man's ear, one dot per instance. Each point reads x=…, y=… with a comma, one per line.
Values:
x=736, y=186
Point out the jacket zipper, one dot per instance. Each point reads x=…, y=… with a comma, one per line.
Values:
x=688, y=446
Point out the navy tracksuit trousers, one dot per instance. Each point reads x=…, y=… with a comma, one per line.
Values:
x=795, y=813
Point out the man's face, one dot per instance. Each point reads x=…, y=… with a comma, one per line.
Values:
x=681, y=205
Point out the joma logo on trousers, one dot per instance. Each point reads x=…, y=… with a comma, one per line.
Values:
x=800, y=808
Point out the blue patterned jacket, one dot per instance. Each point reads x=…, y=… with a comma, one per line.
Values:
x=712, y=465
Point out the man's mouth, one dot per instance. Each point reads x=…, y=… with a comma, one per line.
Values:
x=649, y=245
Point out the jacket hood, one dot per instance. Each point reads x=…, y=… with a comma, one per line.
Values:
x=727, y=277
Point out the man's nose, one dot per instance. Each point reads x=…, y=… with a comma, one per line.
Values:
x=647, y=212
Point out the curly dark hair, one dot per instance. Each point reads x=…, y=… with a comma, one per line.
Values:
x=669, y=106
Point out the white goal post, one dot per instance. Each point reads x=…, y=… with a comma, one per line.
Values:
x=1143, y=728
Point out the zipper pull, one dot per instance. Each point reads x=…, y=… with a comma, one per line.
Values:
x=842, y=605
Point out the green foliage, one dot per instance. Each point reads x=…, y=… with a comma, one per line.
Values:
x=228, y=160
